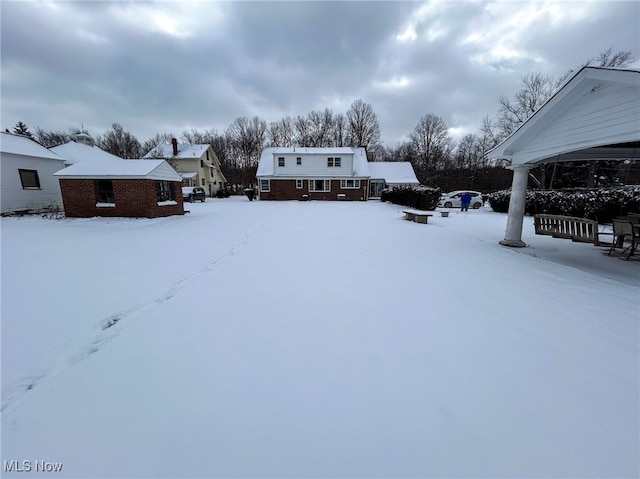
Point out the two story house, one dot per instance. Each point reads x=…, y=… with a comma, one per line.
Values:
x=198, y=165
x=295, y=173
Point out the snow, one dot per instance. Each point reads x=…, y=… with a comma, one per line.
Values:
x=148, y=169
x=393, y=172
x=21, y=145
x=315, y=339
x=185, y=150
x=74, y=152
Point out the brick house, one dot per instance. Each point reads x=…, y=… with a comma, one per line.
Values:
x=197, y=164
x=295, y=173
x=130, y=188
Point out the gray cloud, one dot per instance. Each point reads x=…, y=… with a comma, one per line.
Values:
x=170, y=66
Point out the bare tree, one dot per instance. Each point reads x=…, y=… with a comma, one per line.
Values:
x=120, y=143
x=51, y=138
x=339, y=131
x=281, y=132
x=152, y=143
x=433, y=145
x=363, y=127
x=246, y=139
x=301, y=131
x=319, y=126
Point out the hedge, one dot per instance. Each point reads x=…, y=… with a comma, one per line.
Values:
x=419, y=197
x=602, y=204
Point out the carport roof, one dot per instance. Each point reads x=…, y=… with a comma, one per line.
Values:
x=595, y=115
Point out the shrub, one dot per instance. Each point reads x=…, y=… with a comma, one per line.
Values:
x=419, y=197
x=602, y=204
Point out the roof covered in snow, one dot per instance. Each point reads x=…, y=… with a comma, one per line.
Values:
x=593, y=110
x=400, y=172
x=123, y=169
x=74, y=152
x=22, y=145
x=185, y=150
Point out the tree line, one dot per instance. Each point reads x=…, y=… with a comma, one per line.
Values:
x=437, y=158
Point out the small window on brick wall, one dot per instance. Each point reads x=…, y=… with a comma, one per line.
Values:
x=299, y=184
x=104, y=191
x=164, y=191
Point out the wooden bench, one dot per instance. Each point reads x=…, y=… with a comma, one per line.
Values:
x=569, y=227
x=417, y=216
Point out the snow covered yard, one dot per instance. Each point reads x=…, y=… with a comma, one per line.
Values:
x=312, y=339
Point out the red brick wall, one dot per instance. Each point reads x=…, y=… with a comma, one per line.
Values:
x=286, y=190
x=133, y=198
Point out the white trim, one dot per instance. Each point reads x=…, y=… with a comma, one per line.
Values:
x=326, y=184
x=355, y=185
x=105, y=205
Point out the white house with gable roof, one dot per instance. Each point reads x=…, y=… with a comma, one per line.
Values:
x=340, y=173
x=198, y=165
x=294, y=173
x=27, y=183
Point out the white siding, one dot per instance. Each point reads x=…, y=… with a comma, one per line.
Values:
x=609, y=115
x=13, y=197
x=313, y=165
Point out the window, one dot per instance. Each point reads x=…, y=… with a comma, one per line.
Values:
x=298, y=161
x=29, y=179
x=265, y=185
x=201, y=164
x=164, y=191
x=349, y=184
x=299, y=184
x=202, y=181
x=281, y=161
x=330, y=162
x=104, y=191
x=336, y=162
x=320, y=185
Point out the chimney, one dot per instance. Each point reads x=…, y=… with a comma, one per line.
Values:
x=174, y=142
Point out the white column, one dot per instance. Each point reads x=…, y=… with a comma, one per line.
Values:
x=513, y=235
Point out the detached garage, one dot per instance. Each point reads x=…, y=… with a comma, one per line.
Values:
x=129, y=188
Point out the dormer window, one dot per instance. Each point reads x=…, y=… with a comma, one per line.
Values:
x=337, y=162
x=298, y=161
x=281, y=161
x=330, y=162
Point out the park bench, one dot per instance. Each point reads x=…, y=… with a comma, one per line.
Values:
x=576, y=229
x=417, y=216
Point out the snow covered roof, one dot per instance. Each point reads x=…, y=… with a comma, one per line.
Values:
x=597, y=107
x=74, y=152
x=360, y=165
x=22, y=145
x=185, y=150
x=123, y=169
x=399, y=172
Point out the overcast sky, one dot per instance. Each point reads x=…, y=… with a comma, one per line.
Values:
x=167, y=67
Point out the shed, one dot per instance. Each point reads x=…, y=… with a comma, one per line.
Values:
x=27, y=183
x=130, y=188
